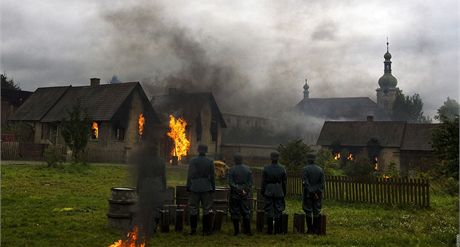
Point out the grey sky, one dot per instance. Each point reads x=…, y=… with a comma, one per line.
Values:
x=253, y=54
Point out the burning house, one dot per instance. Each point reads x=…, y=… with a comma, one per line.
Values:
x=194, y=118
x=121, y=117
x=408, y=145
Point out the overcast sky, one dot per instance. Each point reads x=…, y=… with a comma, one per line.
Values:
x=243, y=50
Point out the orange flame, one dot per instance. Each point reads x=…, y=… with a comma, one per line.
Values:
x=131, y=241
x=376, y=164
x=141, y=122
x=337, y=156
x=95, y=130
x=350, y=156
x=177, y=134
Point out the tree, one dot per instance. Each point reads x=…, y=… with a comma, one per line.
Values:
x=359, y=167
x=408, y=108
x=114, y=80
x=445, y=139
x=8, y=83
x=325, y=159
x=294, y=154
x=76, y=131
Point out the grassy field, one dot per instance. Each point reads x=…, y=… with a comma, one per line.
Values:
x=67, y=206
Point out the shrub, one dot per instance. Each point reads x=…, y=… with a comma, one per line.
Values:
x=294, y=155
x=359, y=167
x=53, y=156
x=325, y=159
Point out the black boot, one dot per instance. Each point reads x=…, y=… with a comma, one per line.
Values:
x=269, y=225
x=207, y=225
x=316, y=224
x=309, y=220
x=247, y=226
x=277, y=225
x=193, y=224
x=236, y=227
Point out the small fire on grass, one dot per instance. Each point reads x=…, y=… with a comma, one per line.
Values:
x=131, y=241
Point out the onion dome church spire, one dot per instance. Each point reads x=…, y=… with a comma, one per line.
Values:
x=306, y=92
x=387, y=80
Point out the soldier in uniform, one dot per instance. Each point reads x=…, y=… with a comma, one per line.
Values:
x=201, y=184
x=240, y=182
x=313, y=188
x=274, y=189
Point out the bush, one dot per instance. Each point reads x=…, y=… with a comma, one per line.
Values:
x=325, y=159
x=359, y=167
x=294, y=155
x=53, y=156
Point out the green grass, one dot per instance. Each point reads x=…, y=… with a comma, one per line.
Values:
x=67, y=206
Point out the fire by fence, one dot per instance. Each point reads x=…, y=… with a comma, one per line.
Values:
x=398, y=191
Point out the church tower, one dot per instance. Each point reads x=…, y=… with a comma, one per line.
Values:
x=306, y=92
x=386, y=93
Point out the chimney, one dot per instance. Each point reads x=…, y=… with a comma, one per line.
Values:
x=370, y=118
x=95, y=81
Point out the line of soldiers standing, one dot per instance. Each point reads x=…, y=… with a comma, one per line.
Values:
x=201, y=184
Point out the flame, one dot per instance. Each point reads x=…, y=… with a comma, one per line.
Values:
x=141, y=122
x=337, y=156
x=350, y=156
x=376, y=164
x=131, y=240
x=177, y=134
x=95, y=130
x=386, y=176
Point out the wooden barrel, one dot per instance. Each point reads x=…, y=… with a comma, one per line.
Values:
x=122, y=206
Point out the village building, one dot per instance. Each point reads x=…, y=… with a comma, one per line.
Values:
x=120, y=117
x=406, y=145
x=11, y=101
x=354, y=108
x=202, y=115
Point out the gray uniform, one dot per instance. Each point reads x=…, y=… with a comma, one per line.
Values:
x=201, y=182
x=313, y=188
x=274, y=190
x=240, y=182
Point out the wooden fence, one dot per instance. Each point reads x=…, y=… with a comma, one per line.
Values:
x=400, y=191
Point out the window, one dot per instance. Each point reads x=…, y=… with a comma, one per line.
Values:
x=119, y=134
x=198, y=128
x=214, y=130
x=94, y=131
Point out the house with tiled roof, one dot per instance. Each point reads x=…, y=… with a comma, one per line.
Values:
x=408, y=145
x=114, y=110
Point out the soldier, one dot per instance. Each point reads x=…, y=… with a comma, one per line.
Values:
x=201, y=182
x=240, y=182
x=274, y=190
x=313, y=188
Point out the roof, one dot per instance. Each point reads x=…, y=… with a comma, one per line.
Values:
x=403, y=135
x=51, y=104
x=38, y=104
x=418, y=136
x=15, y=97
x=351, y=108
x=187, y=105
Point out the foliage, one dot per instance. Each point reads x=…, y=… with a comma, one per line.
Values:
x=114, y=80
x=448, y=111
x=325, y=159
x=408, y=108
x=8, y=83
x=22, y=131
x=76, y=131
x=446, y=139
x=359, y=167
x=53, y=156
x=294, y=154
x=75, y=210
x=392, y=171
